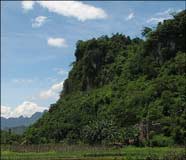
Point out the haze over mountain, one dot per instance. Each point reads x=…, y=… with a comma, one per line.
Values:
x=26, y=109
x=21, y=121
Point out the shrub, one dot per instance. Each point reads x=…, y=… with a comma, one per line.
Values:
x=162, y=141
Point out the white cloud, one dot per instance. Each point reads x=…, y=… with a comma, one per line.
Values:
x=5, y=111
x=130, y=16
x=38, y=21
x=26, y=109
x=75, y=9
x=156, y=20
x=52, y=92
x=161, y=16
x=57, y=86
x=166, y=12
x=57, y=42
x=27, y=5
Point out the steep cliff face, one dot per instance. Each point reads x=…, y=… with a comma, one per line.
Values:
x=94, y=59
x=118, y=84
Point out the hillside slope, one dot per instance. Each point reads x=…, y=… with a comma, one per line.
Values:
x=122, y=90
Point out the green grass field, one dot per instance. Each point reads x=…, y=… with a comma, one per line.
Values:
x=128, y=153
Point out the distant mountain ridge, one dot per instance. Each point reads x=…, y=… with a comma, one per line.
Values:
x=19, y=130
x=20, y=121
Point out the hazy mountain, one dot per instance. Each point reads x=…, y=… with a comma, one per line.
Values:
x=20, y=121
x=17, y=130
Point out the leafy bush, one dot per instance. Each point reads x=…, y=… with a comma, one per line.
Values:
x=162, y=141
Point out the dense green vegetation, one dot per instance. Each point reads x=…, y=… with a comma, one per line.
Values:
x=122, y=90
x=7, y=137
x=96, y=153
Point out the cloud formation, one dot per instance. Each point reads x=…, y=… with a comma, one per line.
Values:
x=52, y=92
x=156, y=20
x=27, y=5
x=161, y=16
x=57, y=42
x=38, y=21
x=76, y=9
x=165, y=13
x=26, y=109
x=130, y=16
x=5, y=111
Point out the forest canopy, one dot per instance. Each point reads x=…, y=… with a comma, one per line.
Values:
x=130, y=91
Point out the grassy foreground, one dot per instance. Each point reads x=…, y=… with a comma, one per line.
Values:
x=127, y=153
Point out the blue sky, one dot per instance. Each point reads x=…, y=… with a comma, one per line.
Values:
x=38, y=43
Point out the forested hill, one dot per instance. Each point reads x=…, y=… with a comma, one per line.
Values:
x=124, y=90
